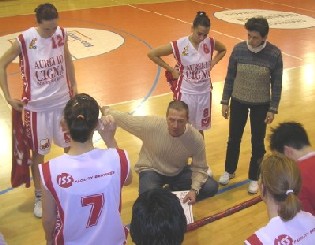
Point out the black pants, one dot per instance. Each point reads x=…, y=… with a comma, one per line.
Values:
x=151, y=180
x=238, y=118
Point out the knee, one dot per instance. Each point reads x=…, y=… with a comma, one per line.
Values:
x=210, y=188
x=147, y=181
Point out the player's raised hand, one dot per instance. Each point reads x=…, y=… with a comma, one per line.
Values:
x=107, y=129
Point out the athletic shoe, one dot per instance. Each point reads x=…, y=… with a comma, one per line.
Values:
x=225, y=178
x=38, y=207
x=209, y=172
x=253, y=187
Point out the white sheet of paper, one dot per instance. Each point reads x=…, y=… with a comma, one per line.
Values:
x=187, y=208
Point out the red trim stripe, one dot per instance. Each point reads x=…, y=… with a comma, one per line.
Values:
x=64, y=35
x=123, y=171
x=33, y=118
x=211, y=46
x=177, y=94
x=210, y=108
x=254, y=240
x=123, y=166
x=59, y=239
x=27, y=123
x=25, y=70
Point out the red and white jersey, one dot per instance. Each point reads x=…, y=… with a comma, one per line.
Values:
x=299, y=230
x=43, y=69
x=194, y=65
x=87, y=191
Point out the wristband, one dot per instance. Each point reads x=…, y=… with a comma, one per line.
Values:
x=196, y=191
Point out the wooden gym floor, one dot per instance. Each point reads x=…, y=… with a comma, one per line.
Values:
x=126, y=79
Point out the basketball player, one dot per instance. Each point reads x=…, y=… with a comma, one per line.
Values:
x=157, y=218
x=279, y=186
x=291, y=139
x=82, y=189
x=48, y=83
x=193, y=54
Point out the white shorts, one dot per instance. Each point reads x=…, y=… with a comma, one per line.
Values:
x=43, y=127
x=199, y=106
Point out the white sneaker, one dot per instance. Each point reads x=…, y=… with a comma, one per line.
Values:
x=38, y=207
x=225, y=178
x=253, y=187
x=209, y=172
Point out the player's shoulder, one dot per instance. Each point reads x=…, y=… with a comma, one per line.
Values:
x=183, y=40
x=109, y=153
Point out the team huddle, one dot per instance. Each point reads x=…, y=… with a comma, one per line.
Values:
x=78, y=194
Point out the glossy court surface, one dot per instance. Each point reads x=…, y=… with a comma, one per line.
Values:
x=116, y=71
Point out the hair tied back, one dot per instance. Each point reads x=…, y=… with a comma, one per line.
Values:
x=288, y=192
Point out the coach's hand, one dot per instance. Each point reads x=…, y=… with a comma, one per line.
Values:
x=190, y=197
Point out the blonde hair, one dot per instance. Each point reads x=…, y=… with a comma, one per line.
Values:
x=281, y=178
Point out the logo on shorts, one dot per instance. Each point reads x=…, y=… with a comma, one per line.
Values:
x=283, y=240
x=205, y=122
x=44, y=144
x=205, y=112
x=64, y=180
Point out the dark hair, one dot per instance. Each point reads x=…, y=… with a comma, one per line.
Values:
x=177, y=105
x=157, y=219
x=81, y=115
x=201, y=19
x=46, y=11
x=280, y=177
x=290, y=134
x=258, y=24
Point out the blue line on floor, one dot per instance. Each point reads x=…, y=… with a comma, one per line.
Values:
x=230, y=187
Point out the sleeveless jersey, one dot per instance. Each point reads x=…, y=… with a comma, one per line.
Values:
x=194, y=65
x=299, y=230
x=87, y=192
x=43, y=70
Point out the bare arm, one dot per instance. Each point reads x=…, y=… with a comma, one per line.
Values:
x=221, y=51
x=49, y=218
x=107, y=129
x=156, y=54
x=70, y=68
x=5, y=60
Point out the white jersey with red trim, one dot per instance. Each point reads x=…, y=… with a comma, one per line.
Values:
x=87, y=191
x=194, y=65
x=42, y=63
x=299, y=230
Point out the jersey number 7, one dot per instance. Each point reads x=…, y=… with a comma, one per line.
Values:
x=97, y=202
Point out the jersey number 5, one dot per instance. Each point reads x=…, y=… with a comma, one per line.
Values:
x=97, y=202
